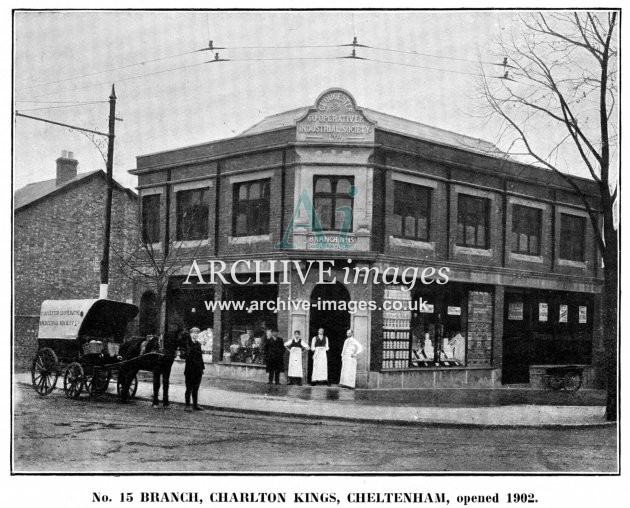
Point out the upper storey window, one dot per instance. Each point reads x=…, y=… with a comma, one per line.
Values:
x=526, y=230
x=572, y=237
x=333, y=202
x=192, y=214
x=412, y=208
x=151, y=218
x=251, y=208
x=473, y=221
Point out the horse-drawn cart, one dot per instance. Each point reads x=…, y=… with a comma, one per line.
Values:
x=83, y=341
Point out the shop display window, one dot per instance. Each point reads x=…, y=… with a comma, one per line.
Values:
x=243, y=331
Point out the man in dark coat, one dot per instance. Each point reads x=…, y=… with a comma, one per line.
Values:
x=194, y=369
x=274, y=355
x=162, y=374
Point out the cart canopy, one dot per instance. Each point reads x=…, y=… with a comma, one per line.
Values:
x=72, y=319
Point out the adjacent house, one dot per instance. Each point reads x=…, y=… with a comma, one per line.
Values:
x=57, y=245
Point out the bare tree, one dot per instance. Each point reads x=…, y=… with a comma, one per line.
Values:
x=151, y=264
x=558, y=100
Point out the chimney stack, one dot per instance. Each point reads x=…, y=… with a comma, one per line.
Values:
x=66, y=167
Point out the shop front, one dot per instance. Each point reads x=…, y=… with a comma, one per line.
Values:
x=545, y=328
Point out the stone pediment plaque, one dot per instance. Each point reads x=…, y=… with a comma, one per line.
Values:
x=335, y=119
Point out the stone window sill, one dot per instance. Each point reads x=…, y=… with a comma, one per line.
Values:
x=572, y=264
x=515, y=256
x=471, y=251
x=246, y=240
x=396, y=241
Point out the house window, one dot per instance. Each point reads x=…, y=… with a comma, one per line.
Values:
x=192, y=215
x=250, y=215
x=412, y=209
x=472, y=221
x=572, y=235
x=333, y=202
x=151, y=218
x=526, y=230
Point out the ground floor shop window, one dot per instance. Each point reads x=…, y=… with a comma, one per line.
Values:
x=545, y=328
x=445, y=327
x=243, y=330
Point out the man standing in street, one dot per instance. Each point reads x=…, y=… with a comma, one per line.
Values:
x=193, y=371
x=351, y=348
x=274, y=355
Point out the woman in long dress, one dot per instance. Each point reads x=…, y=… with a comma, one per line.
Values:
x=351, y=348
x=319, y=346
x=295, y=347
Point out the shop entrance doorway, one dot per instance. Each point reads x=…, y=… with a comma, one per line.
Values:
x=334, y=322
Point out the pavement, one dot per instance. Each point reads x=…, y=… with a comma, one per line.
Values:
x=498, y=407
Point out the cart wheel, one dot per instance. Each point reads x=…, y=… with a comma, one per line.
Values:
x=97, y=383
x=45, y=371
x=133, y=387
x=73, y=380
x=572, y=381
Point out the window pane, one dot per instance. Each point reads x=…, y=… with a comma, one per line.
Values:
x=423, y=230
x=323, y=210
x=254, y=191
x=397, y=225
x=322, y=185
x=342, y=186
x=410, y=226
x=242, y=192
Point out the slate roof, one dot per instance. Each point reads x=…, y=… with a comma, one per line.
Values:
x=38, y=190
x=386, y=122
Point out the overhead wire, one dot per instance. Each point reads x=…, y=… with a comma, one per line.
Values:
x=63, y=106
x=211, y=47
x=144, y=62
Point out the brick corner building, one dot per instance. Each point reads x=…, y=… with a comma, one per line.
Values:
x=388, y=194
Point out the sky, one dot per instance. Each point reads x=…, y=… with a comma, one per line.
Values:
x=66, y=62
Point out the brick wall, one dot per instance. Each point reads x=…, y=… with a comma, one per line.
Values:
x=58, y=247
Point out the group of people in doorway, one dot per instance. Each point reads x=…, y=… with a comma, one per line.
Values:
x=275, y=349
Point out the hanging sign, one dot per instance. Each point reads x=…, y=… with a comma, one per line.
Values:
x=427, y=308
x=454, y=311
x=564, y=313
x=582, y=314
x=515, y=311
x=543, y=312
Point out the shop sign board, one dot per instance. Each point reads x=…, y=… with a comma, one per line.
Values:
x=582, y=314
x=543, y=312
x=335, y=118
x=515, y=311
x=454, y=311
x=397, y=294
x=564, y=313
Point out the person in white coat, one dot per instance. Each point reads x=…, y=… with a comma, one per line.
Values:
x=295, y=347
x=319, y=346
x=351, y=348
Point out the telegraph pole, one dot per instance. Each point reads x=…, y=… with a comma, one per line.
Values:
x=108, y=200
